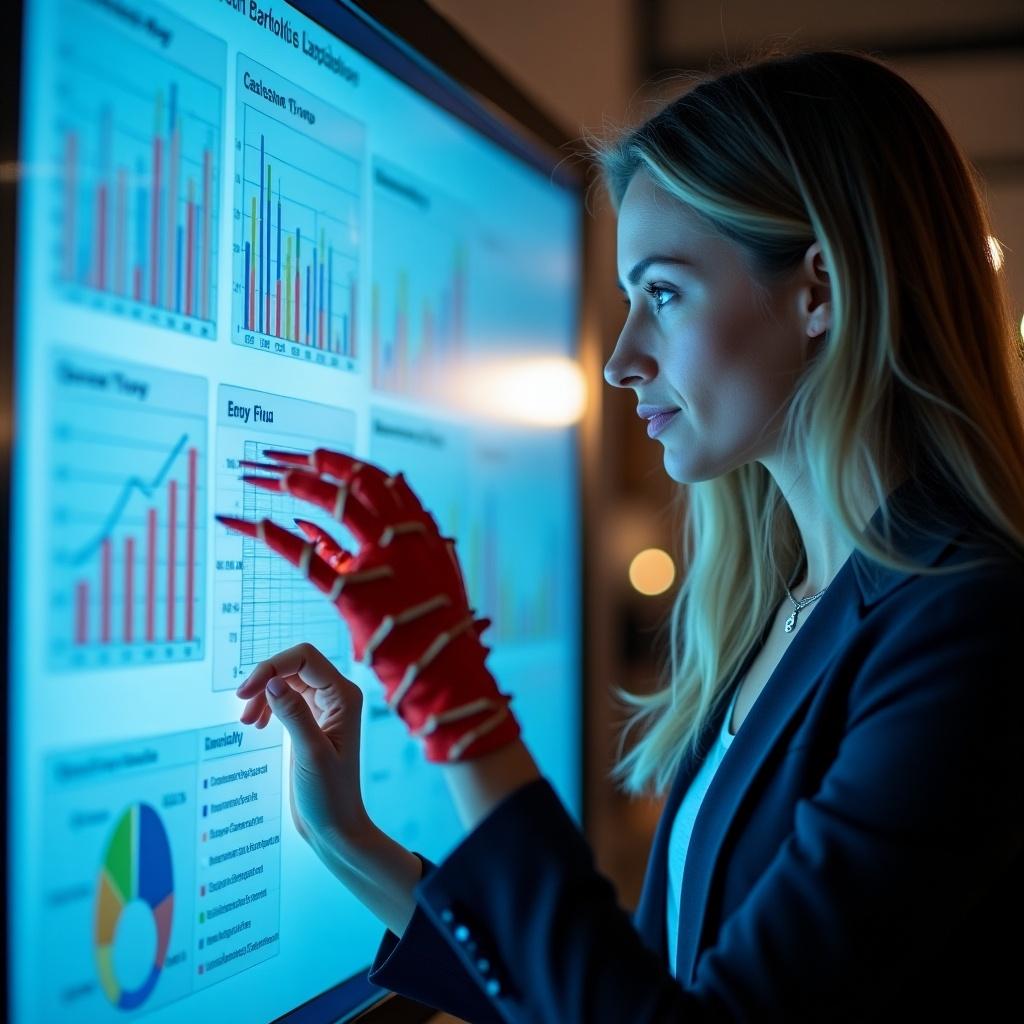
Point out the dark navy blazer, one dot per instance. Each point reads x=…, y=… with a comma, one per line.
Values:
x=859, y=855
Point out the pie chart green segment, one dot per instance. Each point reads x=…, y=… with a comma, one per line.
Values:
x=136, y=866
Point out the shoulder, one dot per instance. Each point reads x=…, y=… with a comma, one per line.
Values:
x=954, y=635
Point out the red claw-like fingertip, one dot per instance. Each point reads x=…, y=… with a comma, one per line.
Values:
x=267, y=483
x=311, y=530
x=291, y=458
x=241, y=525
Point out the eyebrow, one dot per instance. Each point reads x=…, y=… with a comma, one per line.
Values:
x=641, y=268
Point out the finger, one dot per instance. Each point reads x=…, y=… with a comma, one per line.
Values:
x=254, y=707
x=298, y=551
x=334, y=498
x=325, y=545
x=308, y=742
x=302, y=663
x=368, y=481
x=264, y=720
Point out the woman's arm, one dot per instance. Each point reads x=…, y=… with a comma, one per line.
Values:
x=477, y=786
x=381, y=873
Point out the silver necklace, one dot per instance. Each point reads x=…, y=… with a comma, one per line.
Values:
x=798, y=606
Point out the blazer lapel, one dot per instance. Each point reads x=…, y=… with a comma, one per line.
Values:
x=858, y=585
x=799, y=670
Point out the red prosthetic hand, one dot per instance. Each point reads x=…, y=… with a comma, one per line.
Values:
x=402, y=596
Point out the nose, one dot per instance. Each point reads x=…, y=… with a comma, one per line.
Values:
x=628, y=366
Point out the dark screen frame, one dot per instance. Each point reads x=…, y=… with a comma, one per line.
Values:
x=416, y=44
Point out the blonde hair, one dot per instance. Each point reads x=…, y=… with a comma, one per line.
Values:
x=921, y=374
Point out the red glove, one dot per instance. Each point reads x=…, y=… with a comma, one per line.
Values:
x=402, y=596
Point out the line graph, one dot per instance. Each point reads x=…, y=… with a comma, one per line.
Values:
x=128, y=513
x=263, y=604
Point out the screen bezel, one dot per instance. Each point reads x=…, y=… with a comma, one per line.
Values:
x=418, y=46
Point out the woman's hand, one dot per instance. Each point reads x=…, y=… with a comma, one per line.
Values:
x=322, y=711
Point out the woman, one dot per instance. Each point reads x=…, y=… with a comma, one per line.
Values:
x=806, y=262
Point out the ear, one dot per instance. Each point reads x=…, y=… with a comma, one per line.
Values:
x=815, y=294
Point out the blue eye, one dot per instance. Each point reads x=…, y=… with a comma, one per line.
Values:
x=653, y=290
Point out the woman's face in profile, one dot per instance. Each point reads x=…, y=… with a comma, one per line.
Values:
x=701, y=337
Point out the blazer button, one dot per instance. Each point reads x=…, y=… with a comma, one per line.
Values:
x=447, y=916
x=493, y=988
x=461, y=933
x=483, y=964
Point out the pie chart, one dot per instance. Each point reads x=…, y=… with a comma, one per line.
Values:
x=135, y=898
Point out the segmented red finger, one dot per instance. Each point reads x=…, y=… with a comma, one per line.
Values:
x=334, y=499
x=371, y=484
x=299, y=552
x=324, y=544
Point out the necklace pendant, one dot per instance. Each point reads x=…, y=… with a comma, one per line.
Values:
x=791, y=623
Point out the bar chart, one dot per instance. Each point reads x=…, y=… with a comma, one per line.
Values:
x=129, y=515
x=138, y=144
x=297, y=214
x=419, y=297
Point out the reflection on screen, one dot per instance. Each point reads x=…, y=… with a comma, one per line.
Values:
x=237, y=232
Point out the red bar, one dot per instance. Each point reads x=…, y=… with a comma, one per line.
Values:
x=172, y=217
x=188, y=253
x=205, y=268
x=172, y=530
x=297, y=304
x=81, y=612
x=154, y=225
x=151, y=577
x=70, y=184
x=129, y=586
x=190, y=539
x=277, y=332
x=105, y=592
x=119, y=220
x=101, y=235
x=137, y=290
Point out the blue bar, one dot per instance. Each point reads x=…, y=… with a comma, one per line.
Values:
x=327, y=327
x=307, y=304
x=330, y=253
x=178, y=275
x=259, y=234
x=196, y=269
x=245, y=312
x=312, y=296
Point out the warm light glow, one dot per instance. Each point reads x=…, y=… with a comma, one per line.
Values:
x=652, y=571
x=543, y=391
x=995, y=249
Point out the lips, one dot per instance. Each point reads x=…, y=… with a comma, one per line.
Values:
x=656, y=424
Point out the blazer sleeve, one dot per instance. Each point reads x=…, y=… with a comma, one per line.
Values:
x=919, y=810
x=423, y=966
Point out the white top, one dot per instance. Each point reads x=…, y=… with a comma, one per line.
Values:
x=682, y=827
